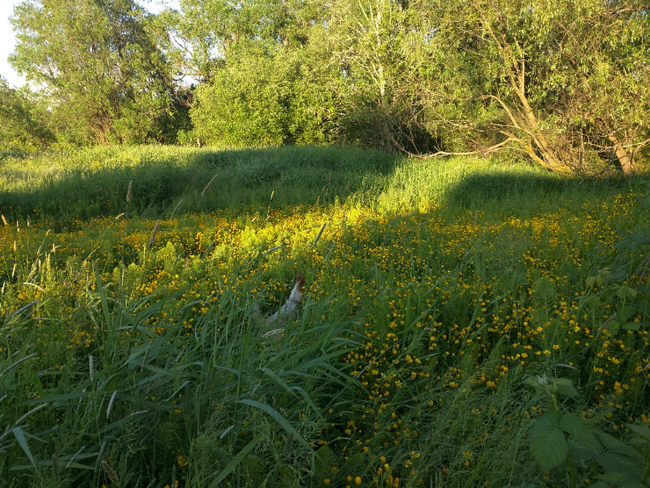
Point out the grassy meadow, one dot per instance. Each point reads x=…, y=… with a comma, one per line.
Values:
x=465, y=322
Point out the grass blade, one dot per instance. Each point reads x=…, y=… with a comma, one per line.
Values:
x=20, y=437
x=275, y=415
x=237, y=459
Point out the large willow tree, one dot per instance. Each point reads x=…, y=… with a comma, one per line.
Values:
x=565, y=82
x=100, y=63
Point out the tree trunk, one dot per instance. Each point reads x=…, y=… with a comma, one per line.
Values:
x=537, y=146
x=622, y=156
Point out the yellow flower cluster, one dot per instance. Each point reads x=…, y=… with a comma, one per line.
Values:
x=441, y=303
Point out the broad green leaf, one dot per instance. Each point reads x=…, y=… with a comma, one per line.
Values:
x=633, y=484
x=547, y=442
x=584, y=446
x=614, y=445
x=619, y=469
x=599, y=484
x=564, y=387
x=639, y=429
x=631, y=325
x=625, y=312
x=625, y=291
x=572, y=424
x=613, y=477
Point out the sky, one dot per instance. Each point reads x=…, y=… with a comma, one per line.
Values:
x=8, y=41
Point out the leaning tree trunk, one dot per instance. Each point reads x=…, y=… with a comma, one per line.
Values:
x=623, y=158
x=526, y=131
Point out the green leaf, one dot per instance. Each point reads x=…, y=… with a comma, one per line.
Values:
x=599, y=484
x=572, y=424
x=631, y=325
x=614, y=478
x=639, y=429
x=585, y=446
x=237, y=460
x=547, y=443
x=590, y=281
x=633, y=484
x=625, y=291
x=614, y=445
x=20, y=437
x=544, y=289
x=619, y=468
x=625, y=312
x=613, y=327
x=583, y=442
x=564, y=387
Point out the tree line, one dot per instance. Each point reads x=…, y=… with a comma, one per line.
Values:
x=565, y=83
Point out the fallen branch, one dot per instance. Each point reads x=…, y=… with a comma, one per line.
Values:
x=440, y=154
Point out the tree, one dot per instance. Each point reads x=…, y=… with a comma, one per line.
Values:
x=266, y=100
x=565, y=82
x=23, y=123
x=209, y=32
x=101, y=65
x=264, y=81
x=380, y=48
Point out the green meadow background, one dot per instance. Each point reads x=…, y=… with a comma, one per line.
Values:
x=465, y=322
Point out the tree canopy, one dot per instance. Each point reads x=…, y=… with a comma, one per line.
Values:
x=23, y=123
x=565, y=83
x=101, y=64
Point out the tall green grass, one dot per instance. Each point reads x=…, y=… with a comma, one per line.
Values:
x=124, y=364
x=93, y=182
x=62, y=188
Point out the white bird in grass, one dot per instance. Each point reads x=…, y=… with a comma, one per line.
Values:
x=287, y=312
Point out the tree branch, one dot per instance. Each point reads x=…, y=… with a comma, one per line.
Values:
x=441, y=154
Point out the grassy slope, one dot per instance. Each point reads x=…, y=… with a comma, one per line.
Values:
x=434, y=291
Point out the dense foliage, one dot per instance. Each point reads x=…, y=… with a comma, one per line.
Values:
x=564, y=83
x=102, y=65
x=23, y=121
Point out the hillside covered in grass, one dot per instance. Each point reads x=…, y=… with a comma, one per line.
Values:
x=465, y=322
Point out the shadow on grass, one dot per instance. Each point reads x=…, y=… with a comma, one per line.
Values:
x=59, y=190
x=95, y=182
x=520, y=188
